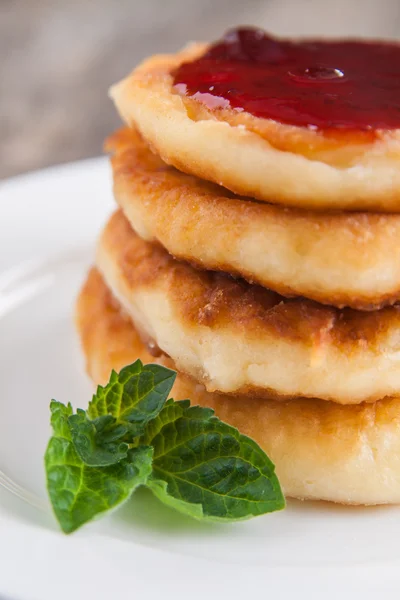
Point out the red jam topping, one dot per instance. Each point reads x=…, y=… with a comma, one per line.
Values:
x=320, y=84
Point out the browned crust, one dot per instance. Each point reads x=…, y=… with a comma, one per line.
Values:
x=176, y=206
x=309, y=440
x=217, y=300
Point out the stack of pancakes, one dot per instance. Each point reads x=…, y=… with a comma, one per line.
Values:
x=276, y=310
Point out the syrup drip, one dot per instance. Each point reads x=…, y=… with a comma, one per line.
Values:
x=153, y=348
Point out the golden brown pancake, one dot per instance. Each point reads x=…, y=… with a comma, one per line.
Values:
x=346, y=454
x=259, y=158
x=342, y=259
x=238, y=338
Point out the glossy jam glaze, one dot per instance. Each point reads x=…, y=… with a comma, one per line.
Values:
x=327, y=85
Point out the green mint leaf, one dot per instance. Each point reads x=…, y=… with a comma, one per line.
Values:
x=79, y=493
x=94, y=447
x=133, y=397
x=206, y=468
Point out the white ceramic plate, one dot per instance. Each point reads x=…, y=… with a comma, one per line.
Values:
x=48, y=225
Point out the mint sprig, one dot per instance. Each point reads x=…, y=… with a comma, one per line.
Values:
x=119, y=412
x=79, y=493
x=206, y=468
x=133, y=396
x=97, y=442
x=132, y=435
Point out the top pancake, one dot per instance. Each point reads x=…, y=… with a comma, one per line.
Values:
x=342, y=259
x=257, y=157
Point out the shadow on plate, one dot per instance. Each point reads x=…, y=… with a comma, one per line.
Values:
x=145, y=511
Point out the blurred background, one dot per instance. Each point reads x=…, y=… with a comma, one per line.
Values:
x=59, y=57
